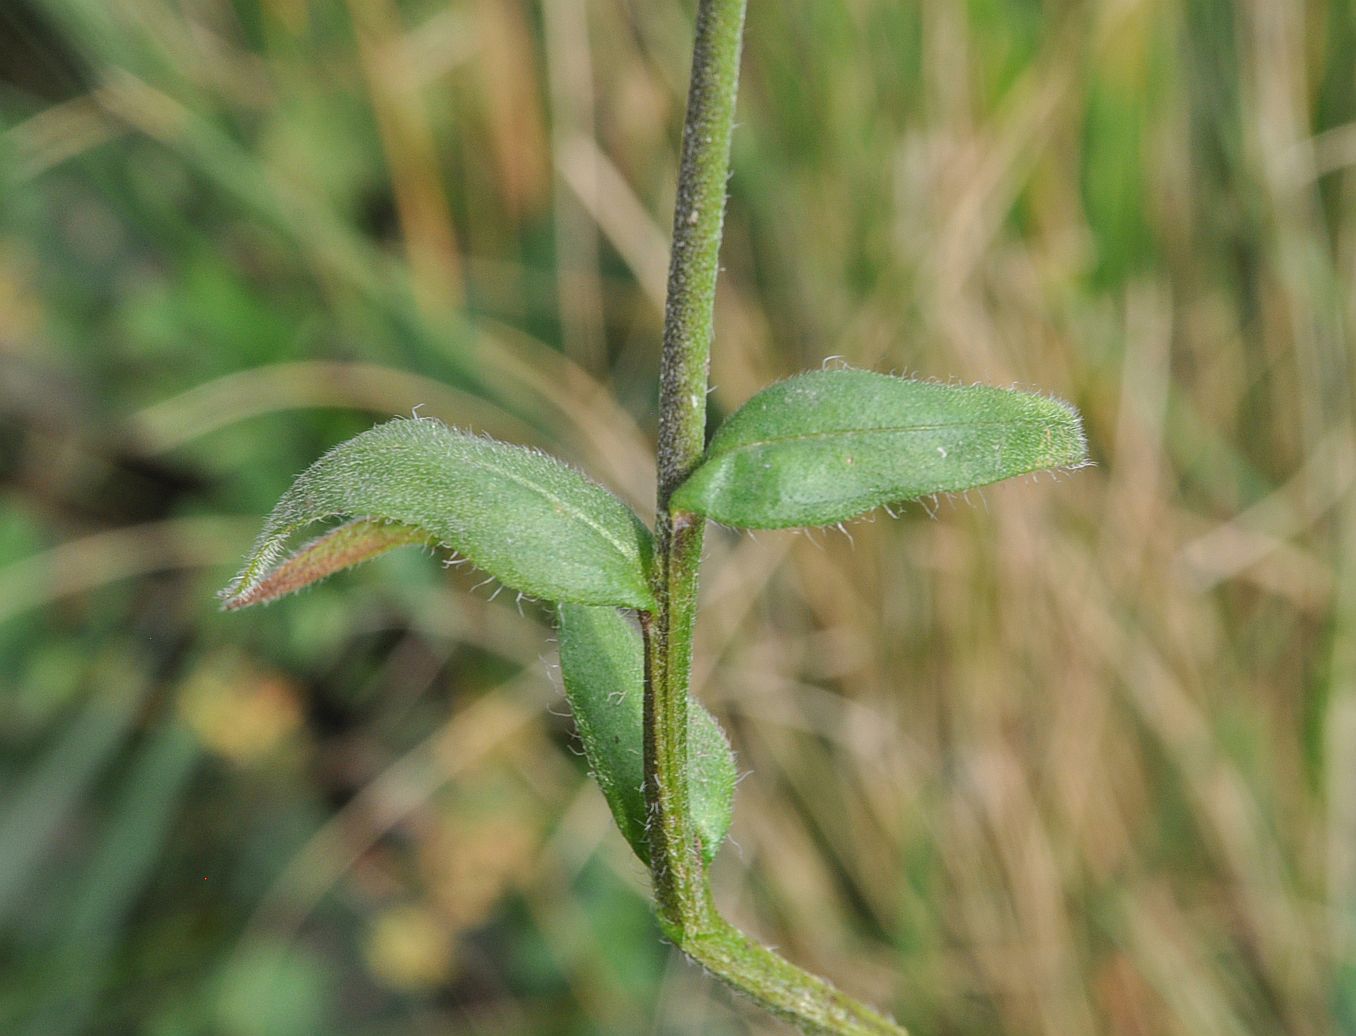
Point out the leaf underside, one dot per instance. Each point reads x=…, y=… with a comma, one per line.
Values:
x=826, y=446
x=602, y=663
x=533, y=523
x=344, y=547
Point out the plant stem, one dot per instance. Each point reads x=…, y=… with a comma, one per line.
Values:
x=685, y=909
x=698, y=219
x=807, y=1001
x=703, y=170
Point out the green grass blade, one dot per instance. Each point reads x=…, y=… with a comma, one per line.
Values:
x=124, y=862
x=530, y=521
x=826, y=446
x=602, y=662
x=34, y=812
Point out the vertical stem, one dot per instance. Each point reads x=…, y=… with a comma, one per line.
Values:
x=698, y=219
x=688, y=319
x=675, y=855
x=683, y=898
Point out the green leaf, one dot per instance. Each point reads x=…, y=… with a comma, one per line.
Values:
x=602, y=661
x=826, y=446
x=530, y=521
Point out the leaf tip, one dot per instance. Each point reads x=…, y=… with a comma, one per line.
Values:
x=343, y=547
x=1068, y=442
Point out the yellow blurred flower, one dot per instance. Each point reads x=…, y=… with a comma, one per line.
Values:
x=237, y=710
x=409, y=948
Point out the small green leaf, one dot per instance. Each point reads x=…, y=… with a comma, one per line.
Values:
x=826, y=446
x=530, y=521
x=602, y=662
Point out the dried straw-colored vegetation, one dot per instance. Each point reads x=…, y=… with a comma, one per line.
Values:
x=1076, y=760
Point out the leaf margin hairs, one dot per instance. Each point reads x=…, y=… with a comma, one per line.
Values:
x=290, y=575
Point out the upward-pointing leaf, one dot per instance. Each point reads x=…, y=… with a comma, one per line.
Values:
x=826, y=446
x=530, y=521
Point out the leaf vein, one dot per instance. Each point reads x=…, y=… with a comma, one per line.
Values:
x=774, y=440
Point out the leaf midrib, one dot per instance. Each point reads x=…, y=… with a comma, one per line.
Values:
x=571, y=508
x=891, y=430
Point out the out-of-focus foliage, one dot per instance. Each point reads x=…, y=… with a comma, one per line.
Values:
x=1079, y=759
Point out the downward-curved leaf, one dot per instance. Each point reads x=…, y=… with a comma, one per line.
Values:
x=530, y=521
x=826, y=446
x=350, y=544
x=602, y=662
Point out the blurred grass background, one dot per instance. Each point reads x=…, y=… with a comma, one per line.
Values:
x=1068, y=758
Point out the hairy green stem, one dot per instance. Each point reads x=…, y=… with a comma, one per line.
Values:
x=698, y=217
x=685, y=909
x=688, y=317
x=805, y=1000
x=675, y=854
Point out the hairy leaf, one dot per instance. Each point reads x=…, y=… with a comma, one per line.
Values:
x=530, y=521
x=350, y=544
x=826, y=446
x=602, y=662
